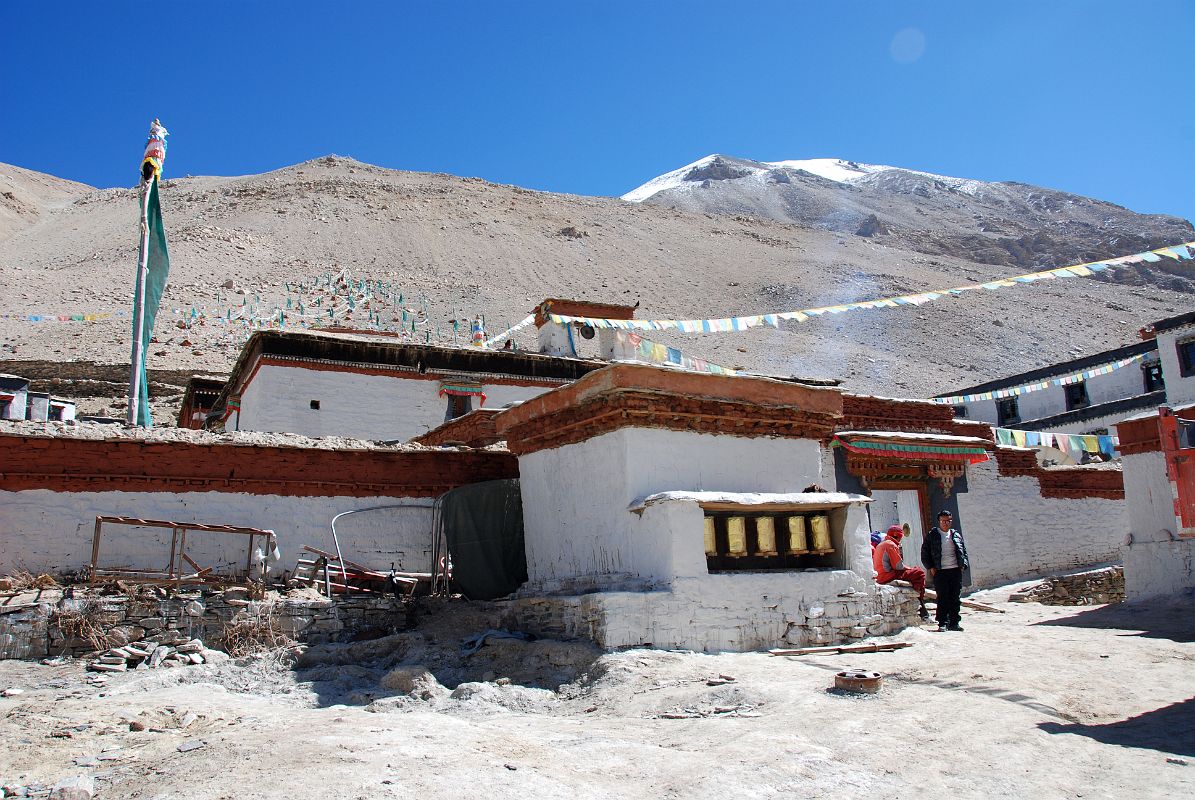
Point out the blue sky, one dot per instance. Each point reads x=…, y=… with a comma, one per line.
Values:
x=596, y=97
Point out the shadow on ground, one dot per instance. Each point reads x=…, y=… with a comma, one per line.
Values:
x=1170, y=729
x=1163, y=620
x=456, y=643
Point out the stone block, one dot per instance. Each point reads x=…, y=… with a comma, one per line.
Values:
x=857, y=632
x=327, y=625
x=292, y=625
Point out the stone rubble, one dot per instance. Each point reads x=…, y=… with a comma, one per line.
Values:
x=1092, y=587
x=173, y=630
x=148, y=655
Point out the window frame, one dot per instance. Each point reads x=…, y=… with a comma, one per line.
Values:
x=1076, y=395
x=1152, y=377
x=1002, y=419
x=1185, y=350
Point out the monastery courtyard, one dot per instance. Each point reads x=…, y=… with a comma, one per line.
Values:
x=1040, y=701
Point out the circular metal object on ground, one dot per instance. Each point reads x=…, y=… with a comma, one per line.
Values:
x=856, y=680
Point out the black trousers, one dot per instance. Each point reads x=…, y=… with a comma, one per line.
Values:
x=948, y=583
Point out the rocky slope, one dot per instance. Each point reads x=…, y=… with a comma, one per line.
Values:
x=1004, y=223
x=461, y=246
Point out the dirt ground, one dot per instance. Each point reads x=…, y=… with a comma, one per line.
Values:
x=1091, y=702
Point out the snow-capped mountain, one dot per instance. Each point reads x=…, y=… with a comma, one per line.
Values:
x=990, y=222
x=832, y=169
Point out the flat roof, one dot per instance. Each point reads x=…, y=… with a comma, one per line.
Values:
x=381, y=350
x=1170, y=323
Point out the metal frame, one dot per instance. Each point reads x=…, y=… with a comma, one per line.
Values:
x=173, y=574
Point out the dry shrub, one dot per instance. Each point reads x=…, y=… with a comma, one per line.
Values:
x=23, y=580
x=252, y=632
x=82, y=619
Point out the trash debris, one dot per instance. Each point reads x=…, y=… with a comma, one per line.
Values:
x=149, y=655
x=475, y=643
x=861, y=681
x=191, y=744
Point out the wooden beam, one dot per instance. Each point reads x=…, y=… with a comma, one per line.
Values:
x=846, y=648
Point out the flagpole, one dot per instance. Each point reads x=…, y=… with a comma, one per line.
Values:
x=139, y=311
x=151, y=168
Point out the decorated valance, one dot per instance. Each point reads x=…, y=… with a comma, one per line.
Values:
x=913, y=446
x=462, y=389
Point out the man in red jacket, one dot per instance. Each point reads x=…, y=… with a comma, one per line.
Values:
x=889, y=565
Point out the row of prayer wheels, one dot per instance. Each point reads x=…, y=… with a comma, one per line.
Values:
x=800, y=531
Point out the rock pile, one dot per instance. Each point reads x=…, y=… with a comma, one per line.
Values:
x=148, y=654
x=1094, y=587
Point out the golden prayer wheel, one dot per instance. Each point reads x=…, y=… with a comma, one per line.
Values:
x=820, y=525
x=765, y=536
x=736, y=536
x=797, y=545
x=711, y=540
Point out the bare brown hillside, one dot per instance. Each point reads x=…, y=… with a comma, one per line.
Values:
x=465, y=246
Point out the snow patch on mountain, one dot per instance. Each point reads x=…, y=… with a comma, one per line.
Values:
x=832, y=169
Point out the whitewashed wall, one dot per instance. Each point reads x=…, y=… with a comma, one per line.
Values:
x=1179, y=390
x=1155, y=563
x=18, y=404
x=376, y=407
x=644, y=577
x=1125, y=382
x=1012, y=532
x=45, y=531
x=577, y=529
x=1092, y=424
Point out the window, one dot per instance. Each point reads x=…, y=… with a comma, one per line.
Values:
x=1152, y=371
x=1007, y=411
x=1076, y=395
x=315, y=405
x=1186, y=358
x=960, y=411
x=458, y=406
x=55, y=413
x=4, y=406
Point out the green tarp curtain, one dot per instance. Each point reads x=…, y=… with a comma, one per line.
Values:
x=483, y=526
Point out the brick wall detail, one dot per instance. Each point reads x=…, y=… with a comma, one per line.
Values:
x=84, y=465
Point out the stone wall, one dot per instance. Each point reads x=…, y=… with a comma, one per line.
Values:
x=32, y=629
x=1018, y=527
x=53, y=485
x=1077, y=589
x=614, y=620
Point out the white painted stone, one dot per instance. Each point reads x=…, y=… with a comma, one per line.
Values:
x=45, y=531
x=1013, y=532
x=378, y=407
x=1155, y=562
x=1125, y=382
x=1179, y=389
x=589, y=534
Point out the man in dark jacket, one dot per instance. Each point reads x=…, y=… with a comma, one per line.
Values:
x=944, y=554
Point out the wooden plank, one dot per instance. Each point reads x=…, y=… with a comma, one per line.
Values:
x=930, y=594
x=846, y=648
x=192, y=563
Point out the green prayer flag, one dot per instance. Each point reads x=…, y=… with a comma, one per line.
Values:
x=149, y=296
